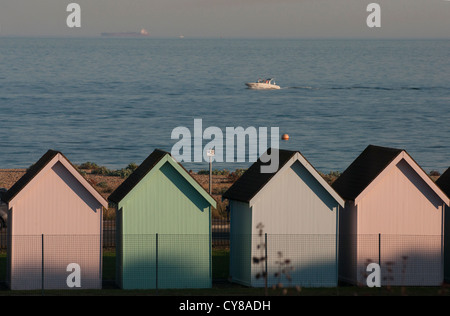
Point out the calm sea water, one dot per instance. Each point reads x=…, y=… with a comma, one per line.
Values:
x=113, y=101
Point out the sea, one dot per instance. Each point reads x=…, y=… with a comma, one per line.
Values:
x=113, y=101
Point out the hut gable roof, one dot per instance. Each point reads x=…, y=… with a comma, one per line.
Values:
x=370, y=163
x=252, y=182
x=137, y=175
x=48, y=160
x=369, y=167
x=156, y=157
x=444, y=182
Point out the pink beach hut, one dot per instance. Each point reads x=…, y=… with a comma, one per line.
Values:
x=54, y=228
x=393, y=216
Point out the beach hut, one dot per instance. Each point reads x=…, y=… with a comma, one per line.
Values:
x=394, y=217
x=163, y=227
x=54, y=221
x=444, y=183
x=298, y=211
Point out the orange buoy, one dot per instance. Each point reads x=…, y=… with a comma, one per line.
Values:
x=285, y=137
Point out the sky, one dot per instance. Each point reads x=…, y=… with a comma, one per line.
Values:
x=229, y=18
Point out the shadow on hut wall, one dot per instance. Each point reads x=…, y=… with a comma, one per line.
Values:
x=314, y=185
x=309, y=260
x=174, y=261
x=405, y=260
x=185, y=187
x=419, y=183
x=28, y=262
x=76, y=186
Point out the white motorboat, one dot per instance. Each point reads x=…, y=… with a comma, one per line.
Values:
x=266, y=84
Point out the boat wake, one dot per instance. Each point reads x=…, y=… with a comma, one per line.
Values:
x=368, y=88
x=375, y=88
x=303, y=88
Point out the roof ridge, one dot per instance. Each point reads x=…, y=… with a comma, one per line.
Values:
x=386, y=148
x=364, y=170
x=30, y=174
x=34, y=170
x=252, y=181
x=144, y=168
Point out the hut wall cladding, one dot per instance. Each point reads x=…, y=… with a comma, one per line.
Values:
x=404, y=210
x=418, y=209
x=241, y=244
x=165, y=203
x=299, y=212
x=57, y=205
x=348, y=228
x=300, y=218
x=294, y=202
x=178, y=208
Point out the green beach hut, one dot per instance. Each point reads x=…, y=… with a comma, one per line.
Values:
x=163, y=225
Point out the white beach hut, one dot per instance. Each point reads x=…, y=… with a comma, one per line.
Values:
x=299, y=211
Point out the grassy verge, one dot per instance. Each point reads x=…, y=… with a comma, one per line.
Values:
x=109, y=265
x=220, y=263
x=2, y=266
x=226, y=290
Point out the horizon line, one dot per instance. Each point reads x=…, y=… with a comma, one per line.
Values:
x=99, y=36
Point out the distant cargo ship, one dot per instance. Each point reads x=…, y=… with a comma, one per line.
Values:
x=142, y=33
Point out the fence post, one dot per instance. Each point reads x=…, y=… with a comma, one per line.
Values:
x=265, y=255
x=42, y=267
x=379, y=250
x=156, y=263
x=379, y=255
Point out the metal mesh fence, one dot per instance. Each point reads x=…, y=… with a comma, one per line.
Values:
x=3, y=236
x=220, y=233
x=165, y=261
x=324, y=260
x=173, y=261
x=47, y=262
x=405, y=260
x=109, y=236
x=284, y=260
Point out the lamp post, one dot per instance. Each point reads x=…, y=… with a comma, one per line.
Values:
x=210, y=153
